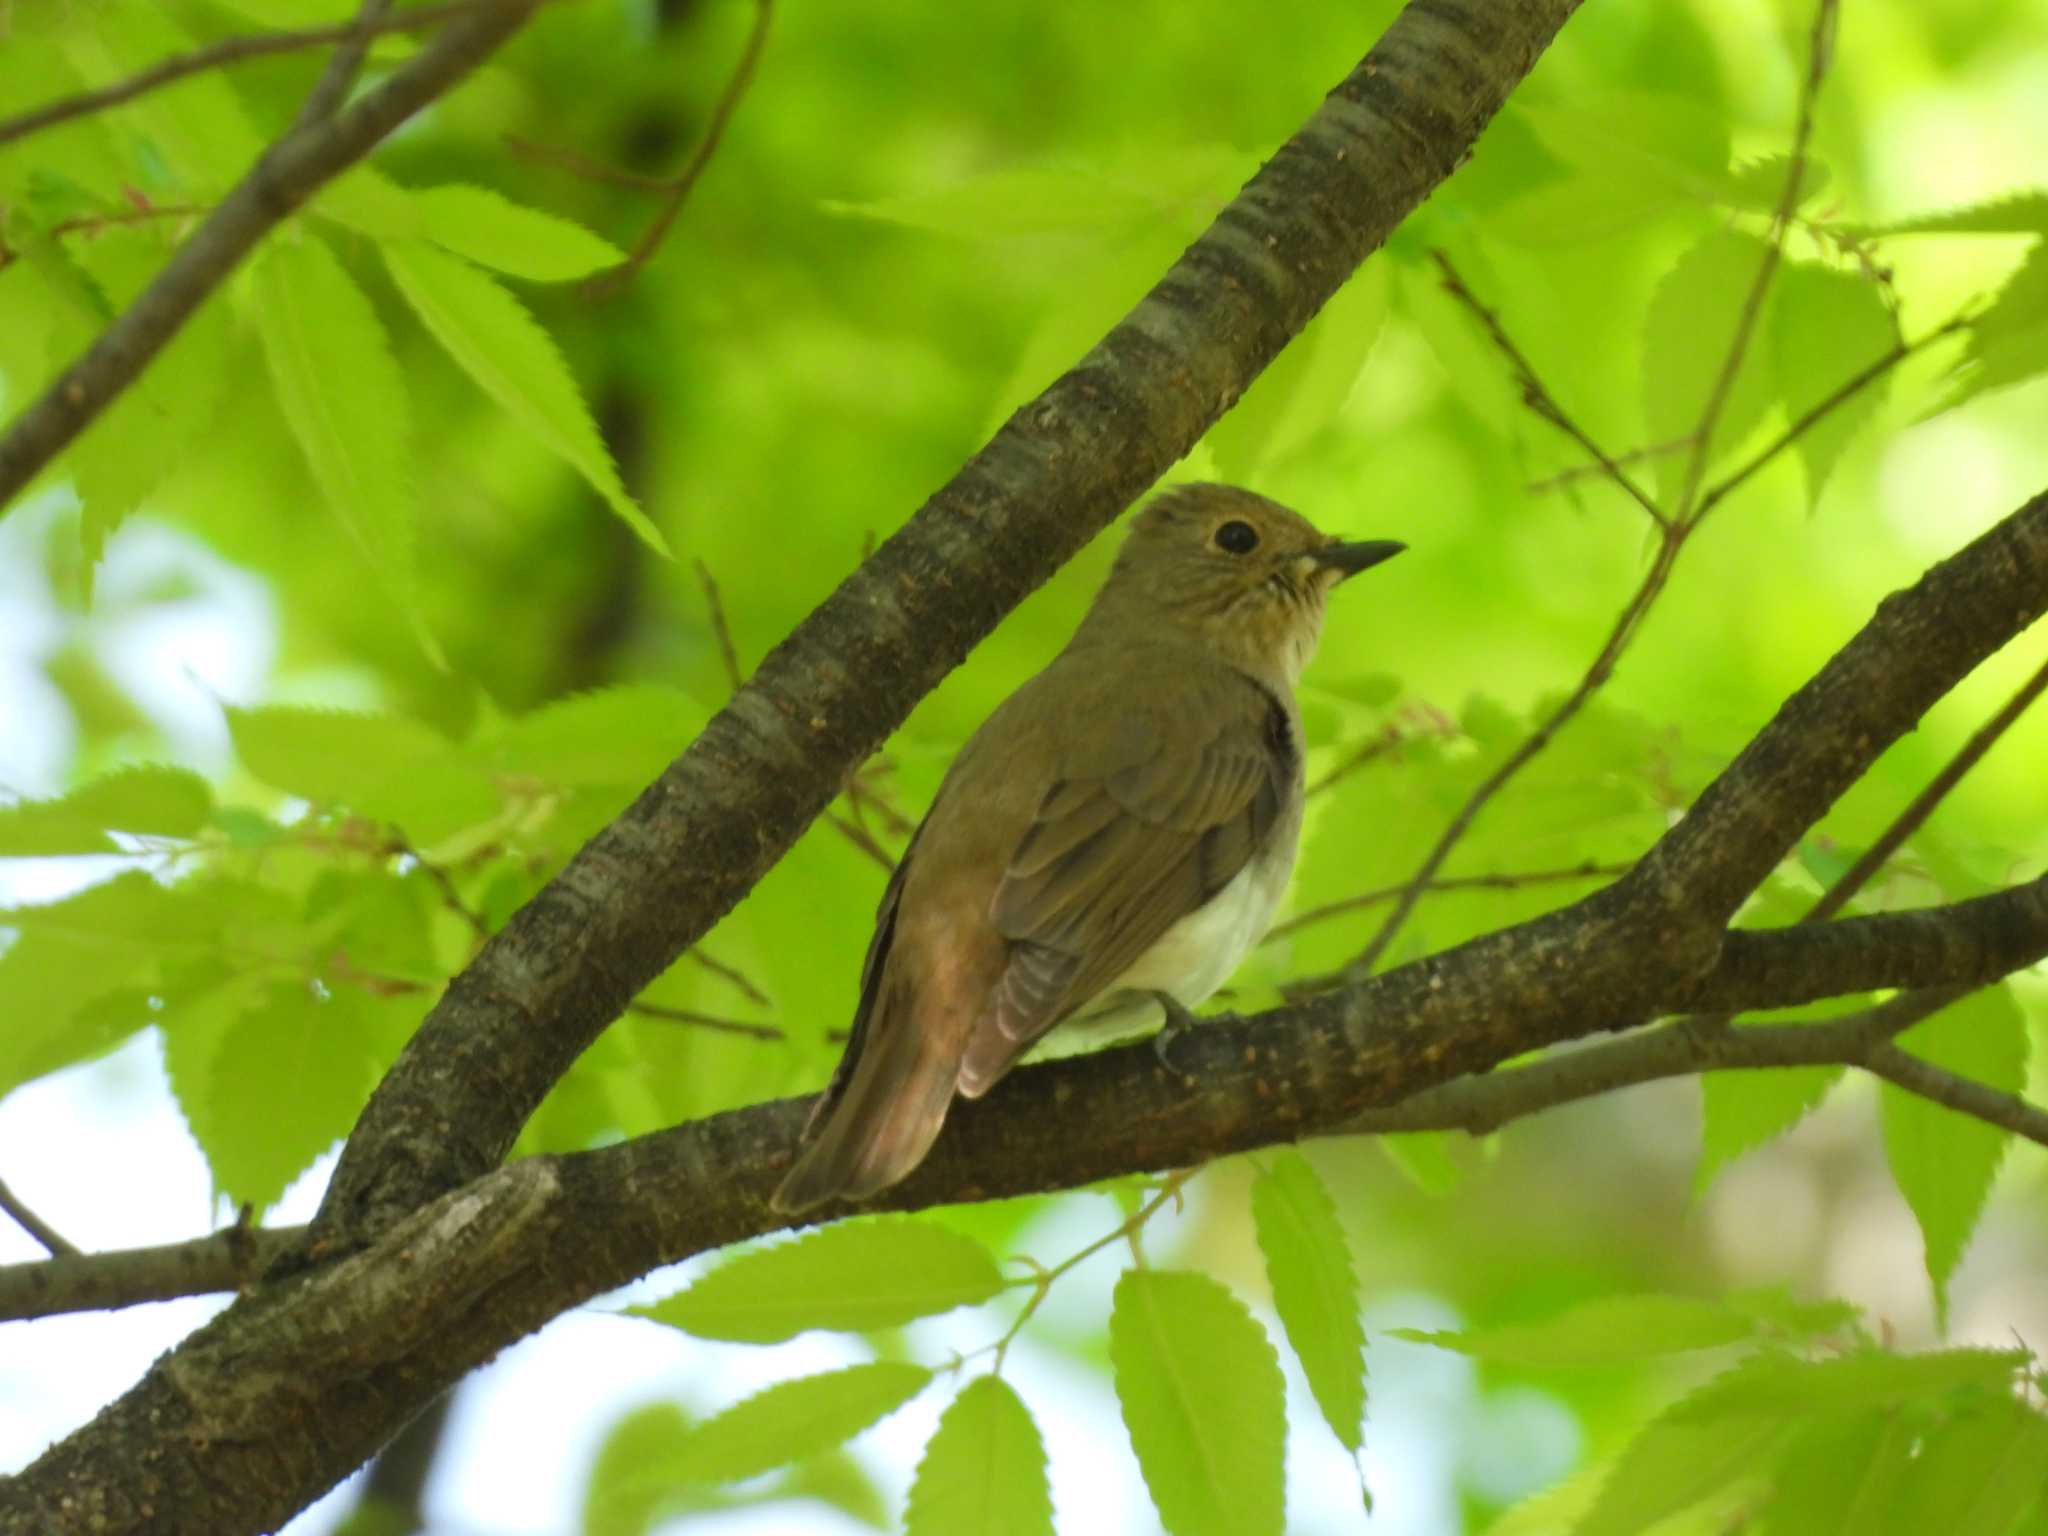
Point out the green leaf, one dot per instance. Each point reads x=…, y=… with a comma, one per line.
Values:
x=496, y=232
x=1944, y=1161
x=1692, y=323
x=623, y=736
x=853, y=1276
x=1603, y=1331
x=983, y=1472
x=1425, y=1157
x=1774, y=1384
x=1759, y=185
x=2020, y=213
x=1827, y=326
x=1840, y=1479
x=497, y=343
x=1315, y=1291
x=2009, y=341
x=342, y=394
x=795, y=1419
x=1978, y=1472
x=639, y=1477
x=1743, y=1110
x=146, y=801
x=307, y=1062
x=1670, y=1467
x=384, y=767
x=1204, y=1402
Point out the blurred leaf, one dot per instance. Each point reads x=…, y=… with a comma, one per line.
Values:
x=1839, y=1478
x=1759, y=185
x=795, y=1419
x=640, y=1475
x=1308, y=1264
x=148, y=801
x=1828, y=326
x=341, y=390
x=1671, y=1467
x=853, y=1276
x=1425, y=1157
x=624, y=735
x=1942, y=1160
x=983, y=1471
x=1773, y=1384
x=497, y=343
x=384, y=767
x=2009, y=341
x=1604, y=1331
x=496, y=232
x=2017, y=213
x=1740, y=1111
x=1692, y=324
x=1204, y=1402
x=1978, y=1472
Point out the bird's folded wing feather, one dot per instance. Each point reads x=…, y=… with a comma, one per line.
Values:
x=1144, y=826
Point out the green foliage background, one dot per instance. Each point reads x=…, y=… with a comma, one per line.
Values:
x=480, y=498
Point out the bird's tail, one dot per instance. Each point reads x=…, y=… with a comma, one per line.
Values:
x=885, y=1117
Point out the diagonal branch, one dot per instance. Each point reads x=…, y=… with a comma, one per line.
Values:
x=287, y=174
x=53, y=1241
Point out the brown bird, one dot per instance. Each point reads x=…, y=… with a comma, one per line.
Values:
x=1107, y=846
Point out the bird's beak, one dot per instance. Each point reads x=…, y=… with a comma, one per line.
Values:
x=1350, y=559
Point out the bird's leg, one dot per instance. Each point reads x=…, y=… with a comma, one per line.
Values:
x=1178, y=1022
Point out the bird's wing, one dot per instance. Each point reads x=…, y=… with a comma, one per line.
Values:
x=1146, y=823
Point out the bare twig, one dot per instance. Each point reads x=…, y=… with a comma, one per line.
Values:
x=1672, y=539
x=1819, y=53
x=860, y=837
x=442, y=881
x=863, y=796
x=234, y=50
x=678, y=189
x=91, y=1282
x=1376, y=747
x=286, y=175
x=1538, y=398
x=1980, y=1101
x=1573, y=473
x=578, y=164
x=343, y=65
x=33, y=1224
x=88, y=222
x=719, y=628
x=1501, y=882
x=706, y=1021
x=731, y=974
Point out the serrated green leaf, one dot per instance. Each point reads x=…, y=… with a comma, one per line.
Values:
x=307, y=1061
x=1978, y=1472
x=370, y=203
x=1774, y=1385
x=1603, y=1331
x=1637, y=138
x=853, y=1276
x=1826, y=327
x=2021, y=213
x=342, y=393
x=1759, y=185
x=147, y=801
x=1203, y=1401
x=2009, y=341
x=1425, y=1157
x=983, y=1471
x=1671, y=1467
x=496, y=232
x=1308, y=1264
x=1944, y=1161
x=795, y=1419
x=498, y=344
x=1743, y=1110
x=1692, y=323
x=638, y=1476
x=1839, y=1479
x=384, y=767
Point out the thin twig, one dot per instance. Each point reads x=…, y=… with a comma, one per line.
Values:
x=578, y=164
x=123, y=1277
x=859, y=836
x=232, y=50
x=343, y=65
x=731, y=974
x=864, y=796
x=1388, y=740
x=287, y=174
x=706, y=1021
x=726, y=650
x=1994, y=1106
x=1850, y=387
x=678, y=189
x=88, y=222
x=1914, y=815
x=1538, y=398
x=1819, y=52
x=34, y=1225
x=1572, y=473
x=1670, y=542
x=442, y=881
x=1502, y=882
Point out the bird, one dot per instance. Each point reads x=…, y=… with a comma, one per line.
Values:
x=1106, y=846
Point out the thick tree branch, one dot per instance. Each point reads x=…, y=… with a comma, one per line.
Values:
x=656, y=879
x=288, y=173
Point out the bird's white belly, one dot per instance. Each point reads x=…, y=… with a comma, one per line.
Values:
x=1189, y=961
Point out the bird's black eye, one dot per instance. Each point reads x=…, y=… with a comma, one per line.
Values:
x=1238, y=537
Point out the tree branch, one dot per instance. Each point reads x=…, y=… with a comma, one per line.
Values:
x=52, y=1240
x=283, y=178
x=89, y=1282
